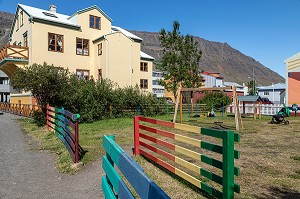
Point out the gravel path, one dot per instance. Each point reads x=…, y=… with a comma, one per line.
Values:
x=26, y=172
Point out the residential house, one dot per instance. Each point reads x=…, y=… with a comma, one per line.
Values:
x=272, y=92
x=4, y=87
x=157, y=90
x=292, y=80
x=86, y=43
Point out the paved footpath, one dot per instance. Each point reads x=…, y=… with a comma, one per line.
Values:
x=26, y=172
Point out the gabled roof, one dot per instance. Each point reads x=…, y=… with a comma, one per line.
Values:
x=146, y=56
x=279, y=86
x=91, y=8
x=249, y=98
x=42, y=14
x=125, y=32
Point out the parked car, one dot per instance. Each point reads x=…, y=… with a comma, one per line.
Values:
x=266, y=100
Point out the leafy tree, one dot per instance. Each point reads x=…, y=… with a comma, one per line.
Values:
x=215, y=100
x=252, y=88
x=46, y=83
x=180, y=60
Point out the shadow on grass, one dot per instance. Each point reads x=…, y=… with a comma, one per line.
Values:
x=278, y=192
x=181, y=180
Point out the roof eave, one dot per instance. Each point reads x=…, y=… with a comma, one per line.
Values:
x=40, y=20
x=90, y=8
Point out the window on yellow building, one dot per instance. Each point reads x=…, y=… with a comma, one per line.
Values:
x=25, y=39
x=95, y=22
x=21, y=18
x=144, y=83
x=83, y=74
x=100, y=49
x=55, y=42
x=82, y=46
x=17, y=23
x=144, y=66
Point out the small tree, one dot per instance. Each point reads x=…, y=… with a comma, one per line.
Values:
x=46, y=83
x=215, y=100
x=252, y=88
x=180, y=60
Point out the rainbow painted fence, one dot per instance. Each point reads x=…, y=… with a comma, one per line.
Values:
x=149, y=146
x=112, y=184
x=63, y=122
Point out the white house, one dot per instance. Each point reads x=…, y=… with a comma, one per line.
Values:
x=273, y=92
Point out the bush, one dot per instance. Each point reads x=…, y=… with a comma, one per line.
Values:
x=39, y=118
x=215, y=100
x=92, y=100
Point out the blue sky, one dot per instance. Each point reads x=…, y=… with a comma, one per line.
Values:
x=266, y=30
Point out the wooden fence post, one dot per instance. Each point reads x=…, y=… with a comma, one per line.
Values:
x=76, y=142
x=136, y=136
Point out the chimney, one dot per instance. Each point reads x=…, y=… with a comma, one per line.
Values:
x=52, y=8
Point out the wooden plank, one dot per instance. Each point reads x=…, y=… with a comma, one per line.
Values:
x=188, y=165
x=188, y=140
x=188, y=177
x=158, y=141
x=185, y=127
x=187, y=152
x=107, y=191
x=157, y=131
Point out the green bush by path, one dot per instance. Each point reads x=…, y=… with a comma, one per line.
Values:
x=93, y=100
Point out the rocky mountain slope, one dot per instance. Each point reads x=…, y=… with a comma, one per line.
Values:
x=217, y=57
x=6, y=20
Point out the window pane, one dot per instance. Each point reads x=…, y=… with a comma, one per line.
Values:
x=92, y=22
x=59, y=43
x=98, y=22
x=86, y=47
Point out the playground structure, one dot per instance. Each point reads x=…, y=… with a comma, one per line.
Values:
x=65, y=126
x=238, y=120
x=149, y=146
x=112, y=183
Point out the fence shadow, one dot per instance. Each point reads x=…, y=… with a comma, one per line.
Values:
x=279, y=192
x=176, y=177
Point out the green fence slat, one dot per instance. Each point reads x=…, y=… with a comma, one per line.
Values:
x=211, y=176
x=217, y=163
x=237, y=137
x=211, y=147
x=212, y=133
x=237, y=154
x=237, y=188
x=112, y=149
x=107, y=191
x=210, y=190
x=111, y=173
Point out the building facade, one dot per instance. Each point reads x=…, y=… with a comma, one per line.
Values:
x=4, y=88
x=272, y=92
x=157, y=90
x=292, y=80
x=86, y=43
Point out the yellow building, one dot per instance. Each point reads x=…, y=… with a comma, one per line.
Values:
x=86, y=43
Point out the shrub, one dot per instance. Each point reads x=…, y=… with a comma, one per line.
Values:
x=215, y=100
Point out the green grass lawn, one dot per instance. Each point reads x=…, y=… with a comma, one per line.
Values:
x=269, y=163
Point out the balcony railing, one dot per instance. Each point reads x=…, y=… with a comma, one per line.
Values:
x=14, y=52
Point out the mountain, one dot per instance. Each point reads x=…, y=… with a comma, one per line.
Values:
x=233, y=65
x=6, y=20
